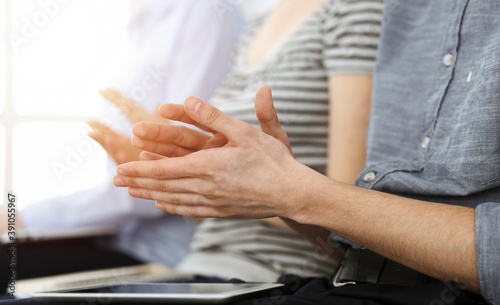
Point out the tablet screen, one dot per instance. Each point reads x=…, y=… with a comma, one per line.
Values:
x=173, y=293
x=170, y=288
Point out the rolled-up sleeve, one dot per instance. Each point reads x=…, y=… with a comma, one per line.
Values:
x=488, y=250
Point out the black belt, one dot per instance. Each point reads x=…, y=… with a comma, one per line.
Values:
x=362, y=266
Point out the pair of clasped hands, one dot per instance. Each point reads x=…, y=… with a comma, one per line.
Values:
x=234, y=170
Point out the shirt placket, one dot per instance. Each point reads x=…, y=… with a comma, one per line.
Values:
x=448, y=59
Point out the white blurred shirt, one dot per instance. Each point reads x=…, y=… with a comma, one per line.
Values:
x=181, y=48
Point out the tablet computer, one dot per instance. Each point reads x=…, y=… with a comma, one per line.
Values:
x=168, y=293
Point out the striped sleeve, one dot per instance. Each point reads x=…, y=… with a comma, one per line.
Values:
x=351, y=30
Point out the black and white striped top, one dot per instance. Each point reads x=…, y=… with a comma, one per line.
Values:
x=341, y=37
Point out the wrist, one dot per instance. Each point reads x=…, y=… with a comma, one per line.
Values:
x=312, y=198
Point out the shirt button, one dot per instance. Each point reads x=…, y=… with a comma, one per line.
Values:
x=448, y=60
x=425, y=142
x=369, y=177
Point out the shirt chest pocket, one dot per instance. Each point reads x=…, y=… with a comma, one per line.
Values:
x=473, y=148
x=476, y=159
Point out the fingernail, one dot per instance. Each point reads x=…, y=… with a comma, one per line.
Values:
x=133, y=192
x=120, y=171
x=160, y=206
x=193, y=104
x=118, y=181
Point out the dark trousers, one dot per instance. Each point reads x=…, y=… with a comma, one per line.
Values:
x=300, y=291
x=319, y=292
x=35, y=259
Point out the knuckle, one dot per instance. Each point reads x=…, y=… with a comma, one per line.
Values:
x=159, y=185
x=179, y=134
x=174, y=199
x=210, y=191
x=154, y=132
x=211, y=115
x=163, y=149
x=158, y=172
x=193, y=213
x=176, y=151
x=222, y=179
x=139, y=129
x=197, y=170
x=137, y=142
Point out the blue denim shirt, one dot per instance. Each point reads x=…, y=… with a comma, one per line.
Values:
x=434, y=130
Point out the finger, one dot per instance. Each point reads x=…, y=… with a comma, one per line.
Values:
x=159, y=148
x=157, y=112
x=129, y=108
x=149, y=156
x=96, y=136
x=99, y=127
x=168, y=168
x=119, y=100
x=174, y=134
x=267, y=116
x=210, y=209
x=192, y=211
x=211, y=117
x=185, y=198
x=176, y=112
x=218, y=140
x=181, y=185
x=99, y=132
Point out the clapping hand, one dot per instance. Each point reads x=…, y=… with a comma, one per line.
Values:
x=249, y=174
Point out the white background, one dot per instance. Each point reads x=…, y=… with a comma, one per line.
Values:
x=70, y=53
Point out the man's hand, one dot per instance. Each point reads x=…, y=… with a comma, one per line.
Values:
x=178, y=141
x=172, y=140
x=251, y=176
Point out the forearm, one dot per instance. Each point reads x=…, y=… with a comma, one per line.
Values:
x=435, y=239
x=349, y=102
x=256, y=176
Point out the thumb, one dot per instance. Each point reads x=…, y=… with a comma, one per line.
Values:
x=211, y=117
x=267, y=116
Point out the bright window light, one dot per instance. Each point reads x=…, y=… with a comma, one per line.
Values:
x=2, y=156
x=2, y=57
x=53, y=159
x=63, y=53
